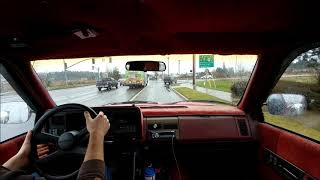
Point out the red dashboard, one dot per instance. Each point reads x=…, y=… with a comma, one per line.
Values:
x=196, y=122
x=184, y=122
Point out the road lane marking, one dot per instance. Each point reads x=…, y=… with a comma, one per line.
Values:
x=180, y=95
x=135, y=96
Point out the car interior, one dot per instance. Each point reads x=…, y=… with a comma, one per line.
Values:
x=184, y=140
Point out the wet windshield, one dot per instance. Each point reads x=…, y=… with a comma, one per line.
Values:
x=98, y=81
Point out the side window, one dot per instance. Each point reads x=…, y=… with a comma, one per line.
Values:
x=295, y=101
x=16, y=116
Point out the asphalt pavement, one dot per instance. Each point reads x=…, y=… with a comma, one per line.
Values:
x=157, y=92
x=90, y=96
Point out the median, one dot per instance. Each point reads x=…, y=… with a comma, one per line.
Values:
x=220, y=85
x=193, y=95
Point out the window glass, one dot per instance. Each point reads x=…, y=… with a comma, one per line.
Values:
x=16, y=116
x=98, y=81
x=295, y=103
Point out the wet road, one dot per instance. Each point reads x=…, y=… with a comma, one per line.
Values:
x=90, y=96
x=156, y=91
x=87, y=95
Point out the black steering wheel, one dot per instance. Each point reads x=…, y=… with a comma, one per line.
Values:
x=67, y=143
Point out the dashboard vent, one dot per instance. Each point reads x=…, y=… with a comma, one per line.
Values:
x=243, y=128
x=162, y=126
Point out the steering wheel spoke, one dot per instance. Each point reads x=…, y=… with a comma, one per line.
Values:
x=45, y=138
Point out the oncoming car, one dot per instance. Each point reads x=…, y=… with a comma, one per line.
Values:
x=257, y=118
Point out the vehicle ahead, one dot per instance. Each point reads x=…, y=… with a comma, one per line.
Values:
x=136, y=79
x=170, y=80
x=197, y=130
x=107, y=83
x=153, y=78
x=121, y=81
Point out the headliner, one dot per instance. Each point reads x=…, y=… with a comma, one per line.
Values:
x=43, y=29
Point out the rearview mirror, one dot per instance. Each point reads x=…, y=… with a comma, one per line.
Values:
x=145, y=66
x=286, y=104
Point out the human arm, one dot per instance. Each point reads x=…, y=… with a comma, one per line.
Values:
x=12, y=169
x=93, y=165
x=21, y=159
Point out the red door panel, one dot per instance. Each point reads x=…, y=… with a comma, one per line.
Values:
x=10, y=148
x=299, y=151
x=269, y=137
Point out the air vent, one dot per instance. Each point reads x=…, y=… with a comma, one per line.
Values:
x=243, y=128
x=162, y=126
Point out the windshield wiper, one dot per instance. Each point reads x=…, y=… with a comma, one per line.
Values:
x=134, y=102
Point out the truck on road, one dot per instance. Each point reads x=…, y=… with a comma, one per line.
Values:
x=136, y=79
x=169, y=80
x=107, y=83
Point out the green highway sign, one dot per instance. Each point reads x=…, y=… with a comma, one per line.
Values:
x=206, y=61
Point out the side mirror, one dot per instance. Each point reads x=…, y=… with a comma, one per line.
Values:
x=14, y=112
x=4, y=117
x=286, y=104
x=145, y=66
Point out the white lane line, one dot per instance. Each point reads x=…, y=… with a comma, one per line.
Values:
x=135, y=96
x=179, y=94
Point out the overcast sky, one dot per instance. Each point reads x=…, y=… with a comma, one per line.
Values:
x=246, y=62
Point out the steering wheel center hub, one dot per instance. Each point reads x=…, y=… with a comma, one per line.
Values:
x=66, y=140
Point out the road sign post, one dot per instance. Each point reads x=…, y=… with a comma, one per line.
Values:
x=194, y=71
x=206, y=61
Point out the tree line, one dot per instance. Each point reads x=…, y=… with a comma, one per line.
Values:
x=307, y=62
x=48, y=78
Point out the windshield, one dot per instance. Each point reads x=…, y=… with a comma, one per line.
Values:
x=104, y=80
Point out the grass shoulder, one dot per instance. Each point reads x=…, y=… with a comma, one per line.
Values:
x=292, y=125
x=221, y=85
x=194, y=95
x=64, y=86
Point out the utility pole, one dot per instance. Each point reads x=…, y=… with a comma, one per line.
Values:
x=235, y=67
x=107, y=67
x=110, y=61
x=99, y=78
x=194, y=70
x=65, y=72
x=168, y=66
x=179, y=67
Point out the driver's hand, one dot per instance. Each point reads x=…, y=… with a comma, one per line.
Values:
x=21, y=159
x=99, y=125
x=26, y=146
